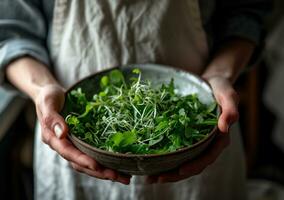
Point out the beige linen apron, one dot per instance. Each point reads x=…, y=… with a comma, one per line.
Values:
x=92, y=35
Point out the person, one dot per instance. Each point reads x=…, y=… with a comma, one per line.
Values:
x=48, y=45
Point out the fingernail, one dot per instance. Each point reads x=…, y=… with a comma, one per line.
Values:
x=58, y=131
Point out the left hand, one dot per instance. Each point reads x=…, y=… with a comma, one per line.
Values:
x=227, y=98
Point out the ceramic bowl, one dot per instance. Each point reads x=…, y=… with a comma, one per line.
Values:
x=146, y=164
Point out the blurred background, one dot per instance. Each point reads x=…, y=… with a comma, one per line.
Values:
x=262, y=123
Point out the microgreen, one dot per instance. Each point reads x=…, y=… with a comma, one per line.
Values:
x=131, y=116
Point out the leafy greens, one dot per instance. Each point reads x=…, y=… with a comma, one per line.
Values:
x=130, y=116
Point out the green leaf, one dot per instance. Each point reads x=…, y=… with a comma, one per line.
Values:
x=136, y=71
x=123, y=139
x=89, y=138
x=116, y=139
x=102, y=94
x=176, y=142
x=137, y=99
x=72, y=120
x=212, y=122
x=129, y=137
x=116, y=77
x=104, y=82
x=189, y=132
x=80, y=96
x=181, y=112
x=88, y=108
x=161, y=126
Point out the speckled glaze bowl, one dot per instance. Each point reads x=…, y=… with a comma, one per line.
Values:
x=147, y=164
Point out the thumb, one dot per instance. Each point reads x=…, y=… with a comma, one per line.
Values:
x=229, y=113
x=49, y=102
x=228, y=100
x=60, y=128
x=54, y=123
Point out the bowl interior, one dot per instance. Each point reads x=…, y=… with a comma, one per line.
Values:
x=185, y=83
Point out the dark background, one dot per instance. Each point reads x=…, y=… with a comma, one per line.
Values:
x=265, y=161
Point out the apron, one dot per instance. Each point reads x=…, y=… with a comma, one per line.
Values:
x=92, y=35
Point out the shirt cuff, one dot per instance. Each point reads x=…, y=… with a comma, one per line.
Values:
x=242, y=27
x=16, y=48
x=246, y=28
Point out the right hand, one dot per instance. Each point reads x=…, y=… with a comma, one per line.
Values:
x=49, y=101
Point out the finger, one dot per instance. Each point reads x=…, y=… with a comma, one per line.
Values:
x=228, y=99
x=171, y=177
x=152, y=179
x=106, y=174
x=198, y=165
x=102, y=174
x=176, y=175
x=192, y=167
x=94, y=173
x=66, y=149
x=48, y=104
x=229, y=104
x=110, y=174
x=51, y=120
x=123, y=178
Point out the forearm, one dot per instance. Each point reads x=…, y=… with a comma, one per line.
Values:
x=230, y=60
x=29, y=75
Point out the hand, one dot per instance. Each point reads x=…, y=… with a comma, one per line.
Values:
x=193, y=167
x=227, y=98
x=49, y=102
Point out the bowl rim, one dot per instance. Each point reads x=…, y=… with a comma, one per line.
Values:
x=212, y=133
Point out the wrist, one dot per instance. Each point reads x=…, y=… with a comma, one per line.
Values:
x=212, y=73
x=50, y=96
x=30, y=76
x=230, y=60
x=44, y=91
